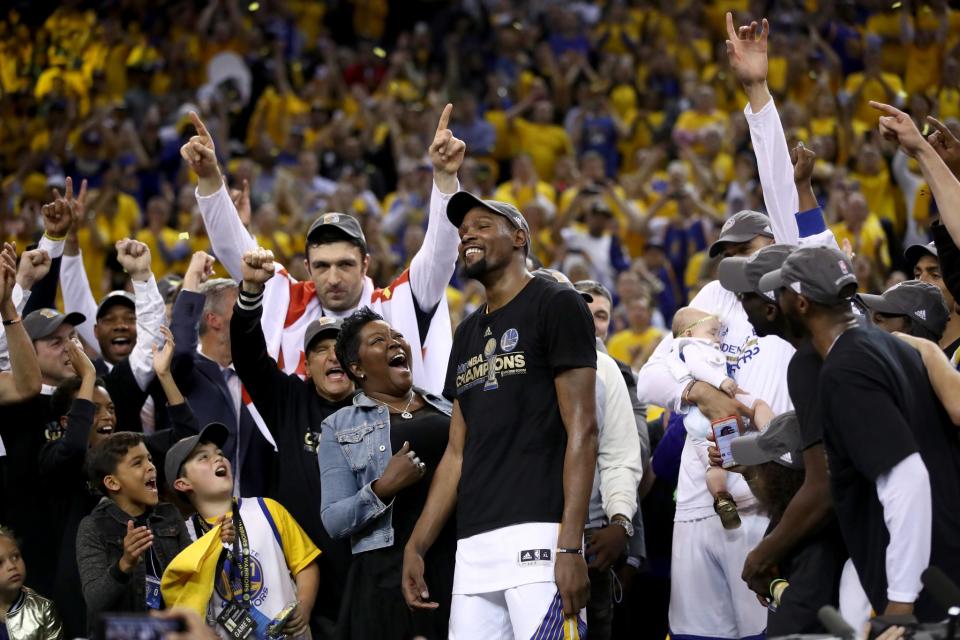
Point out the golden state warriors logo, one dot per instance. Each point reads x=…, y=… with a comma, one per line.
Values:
x=229, y=589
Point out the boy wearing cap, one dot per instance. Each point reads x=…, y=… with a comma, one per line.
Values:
x=898, y=497
x=267, y=563
x=293, y=410
x=337, y=260
x=912, y=307
x=810, y=571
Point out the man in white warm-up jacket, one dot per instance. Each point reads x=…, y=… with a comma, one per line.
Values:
x=414, y=303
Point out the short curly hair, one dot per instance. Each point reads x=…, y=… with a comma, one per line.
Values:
x=348, y=342
x=103, y=459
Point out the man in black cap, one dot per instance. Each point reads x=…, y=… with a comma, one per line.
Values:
x=927, y=267
x=337, y=260
x=775, y=457
x=522, y=378
x=912, y=307
x=293, y=410
x=893, y=454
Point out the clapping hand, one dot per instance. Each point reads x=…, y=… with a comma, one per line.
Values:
x=163, y=356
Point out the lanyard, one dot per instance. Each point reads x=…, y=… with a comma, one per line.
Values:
x=241, y=566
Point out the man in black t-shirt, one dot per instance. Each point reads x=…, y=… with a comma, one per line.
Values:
x=893, y=455
x=520, y=461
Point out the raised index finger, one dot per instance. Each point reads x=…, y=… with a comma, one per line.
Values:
x=886, y=108
x=731, y=29
x=68, y=191
x=198, y=125
x=942, y=128
x=445, y=118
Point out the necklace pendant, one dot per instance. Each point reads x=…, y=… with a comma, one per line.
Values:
x=406, y=415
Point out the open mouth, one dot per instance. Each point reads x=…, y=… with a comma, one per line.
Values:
x=121, y=342
x=151, y=485
x=220, y=471
x=399, y=361
x=335, y=374
x=472, y=252
x=105, y=429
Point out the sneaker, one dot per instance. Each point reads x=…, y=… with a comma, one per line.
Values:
x=726, y=508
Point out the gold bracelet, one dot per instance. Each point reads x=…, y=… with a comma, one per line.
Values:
x=54, y=238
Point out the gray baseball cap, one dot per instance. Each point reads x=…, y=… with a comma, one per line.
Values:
x=742, y=275
x=320, y=326
x=114, y=298
x=921, y=301
x=561, y=278
x=215, y=432
x=463, y=201
x=342, y=222
x=742, y=226
x=780, y=442
x=41, y=323
x=169, y=287
x=821, y=274
x=914, y=252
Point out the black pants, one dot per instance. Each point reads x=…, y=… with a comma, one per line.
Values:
x=600, y=606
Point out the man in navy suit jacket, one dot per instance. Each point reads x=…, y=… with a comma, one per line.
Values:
x=206, y=377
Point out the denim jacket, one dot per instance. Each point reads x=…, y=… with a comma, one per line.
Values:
x=354, y=451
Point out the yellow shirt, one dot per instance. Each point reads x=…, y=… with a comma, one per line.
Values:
x=870, y=243
x=170, y=239
x=879, y=193
x=872, y=90
x=923, y=67
x=544, y=142
x=948, y=99
x=627, y=345
x=279, y=242
x=520, y=196
x=109, y=230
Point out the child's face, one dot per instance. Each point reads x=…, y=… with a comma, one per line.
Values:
x=135, y=478
x=12, y=570
x=208, y=471
x=707, y=330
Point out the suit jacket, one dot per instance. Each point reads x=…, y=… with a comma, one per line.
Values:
x=126, y=394
x=201, y=382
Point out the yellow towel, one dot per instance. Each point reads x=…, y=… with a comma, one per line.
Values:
x=189, y=578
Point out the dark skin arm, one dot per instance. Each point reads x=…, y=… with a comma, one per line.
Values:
x=437, y=510
x=575, y=391
x=807, y=510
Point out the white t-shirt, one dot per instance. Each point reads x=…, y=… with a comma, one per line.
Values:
x=596, y=249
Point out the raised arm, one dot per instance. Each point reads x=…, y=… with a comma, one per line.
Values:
x=228, y=237
x=433, y=265
x=77, y=295
x=150, y=309
x=747, y=51
x=34, y=266
x=23, y=381
x=897, y=125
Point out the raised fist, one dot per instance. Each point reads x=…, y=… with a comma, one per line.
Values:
x=134, y=257
x=257, y=267
x=199, y=271
x=34, y=265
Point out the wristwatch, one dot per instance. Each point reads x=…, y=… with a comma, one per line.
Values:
x=620, y=521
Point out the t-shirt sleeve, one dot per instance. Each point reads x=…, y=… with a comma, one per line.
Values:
x=802, y=374
x=570, y=336
x=873, y=431
x=298, y=548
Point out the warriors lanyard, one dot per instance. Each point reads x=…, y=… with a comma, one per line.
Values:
x=240, y=562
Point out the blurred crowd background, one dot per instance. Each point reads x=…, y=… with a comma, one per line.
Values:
x=614, y=126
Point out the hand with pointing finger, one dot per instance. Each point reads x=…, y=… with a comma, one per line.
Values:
x=945, y=144
x=898, y=126
x=747, y=50
x=446, y=154
x=201, y=154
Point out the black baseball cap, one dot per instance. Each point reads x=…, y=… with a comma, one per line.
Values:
x=921, y=301
x=463, y=201
x=342, y=222
x=320, y=326
x=215, y=432
x=560, y=278
x=821, y=274
x=114, y=298
x=742, y=275
x=169, y=287
x=742, y=226
x=914, y=252
x=41, y=323
x=780, y=442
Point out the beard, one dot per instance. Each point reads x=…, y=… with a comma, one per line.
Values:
x=477, y=269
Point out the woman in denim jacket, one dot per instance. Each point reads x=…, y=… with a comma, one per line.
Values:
x=377, y=458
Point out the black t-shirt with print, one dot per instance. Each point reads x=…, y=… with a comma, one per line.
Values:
x=879, y=408
x=803, y=374
x=515, y=443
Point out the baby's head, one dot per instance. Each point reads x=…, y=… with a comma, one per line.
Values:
x=694, y=323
